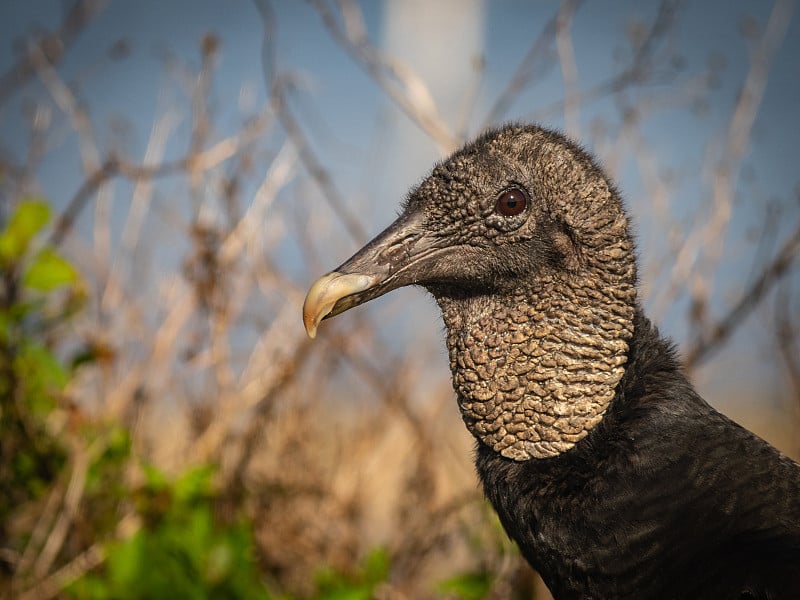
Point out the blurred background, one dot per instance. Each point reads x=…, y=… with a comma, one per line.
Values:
x=173, y=176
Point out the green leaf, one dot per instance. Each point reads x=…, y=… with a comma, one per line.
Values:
x=125, y=561
x=219, y=563
x=195, y=484
x=469, y=586
x=376, y=566
x=41, y=373
x=29, y=217
x=49, y=271
x=156, y=480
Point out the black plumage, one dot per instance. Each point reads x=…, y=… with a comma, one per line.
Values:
x=613, y=476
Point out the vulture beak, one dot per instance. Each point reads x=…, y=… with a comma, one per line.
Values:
x=395, y=258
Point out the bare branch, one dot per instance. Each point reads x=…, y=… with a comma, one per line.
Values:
x=638, y=70
x=52, y=585
x=72, y=498
x=539, y=59
x=69, y=104
x=787, y=330
x=277, y=84
x=723, y=329
x=569, y=68
x=707, y=241
x=397, y=81
x=52, y=46
x=114, y=167
x=43, y=525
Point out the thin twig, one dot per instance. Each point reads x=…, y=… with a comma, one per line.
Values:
x=569, y=68
x=81, y=458
x=114, y=167
x=53, y=584
x=538, y=60
x=43, y=526
x=636, y=72
x=53, y=46
x=277, y=84
x=787, y=329
x=92, y=557
x=723, y=329
x=397, y=81
x=707, y=241
x=69, y=104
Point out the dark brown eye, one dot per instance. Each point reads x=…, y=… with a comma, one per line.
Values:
x=511, y=202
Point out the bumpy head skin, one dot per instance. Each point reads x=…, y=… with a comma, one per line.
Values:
x=538, y=295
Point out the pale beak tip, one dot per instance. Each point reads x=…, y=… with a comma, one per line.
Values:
x=310, y=325
x=325, y=292
x=312, y=315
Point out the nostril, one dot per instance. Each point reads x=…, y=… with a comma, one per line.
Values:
x=399, y=251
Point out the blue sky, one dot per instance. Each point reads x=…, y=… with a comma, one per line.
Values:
x=348, y=101
x=376, y=154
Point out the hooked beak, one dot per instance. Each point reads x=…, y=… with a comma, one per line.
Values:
x=395, y=258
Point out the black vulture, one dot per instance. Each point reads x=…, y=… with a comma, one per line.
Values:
x=612, y=475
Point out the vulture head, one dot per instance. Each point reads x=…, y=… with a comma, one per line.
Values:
x=524, y=244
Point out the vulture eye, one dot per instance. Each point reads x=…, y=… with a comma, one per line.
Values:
x=511, y=202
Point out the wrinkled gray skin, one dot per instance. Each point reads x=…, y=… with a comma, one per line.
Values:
x=538, y=306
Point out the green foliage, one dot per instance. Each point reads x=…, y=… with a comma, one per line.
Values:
x=468, y=586
x=31, y=376
x=333, y=585
x=106, y=487
x=22, y=227
x=49, y=271
x=375, y=569
x=182, y=551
